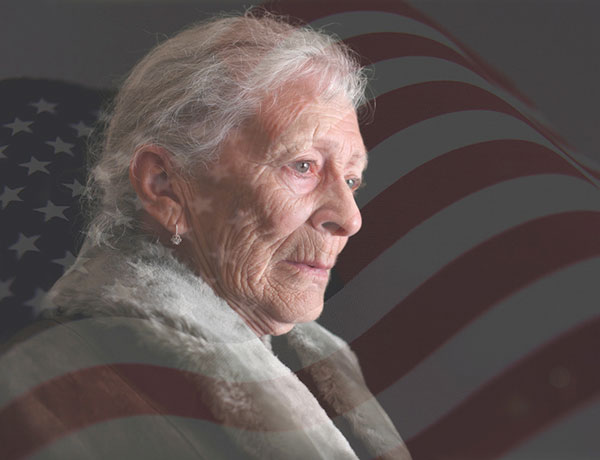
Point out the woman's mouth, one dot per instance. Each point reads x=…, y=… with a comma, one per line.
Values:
x=314, y=268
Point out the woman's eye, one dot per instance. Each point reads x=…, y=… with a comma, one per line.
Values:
x=353, y=183
x=301, y=167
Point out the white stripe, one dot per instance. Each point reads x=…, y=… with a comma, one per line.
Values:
x=427, y=248
x=574, y=438
x=424, y=141
x=148, y=437
x=351, y=24
x=492, y=342
x=392, y=74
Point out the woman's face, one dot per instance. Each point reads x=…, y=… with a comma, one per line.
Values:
x=269, y=219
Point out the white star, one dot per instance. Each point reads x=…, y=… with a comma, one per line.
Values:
x=44, y=106
x=24, y=244
x=9, y=195
x=69, y=259
x=83, y=130
x=34, y=165
x=19, y=125
x=39, y=300
x=51, y=210
x=76, y=188
x=2, y=149
x=5, y=288
x=61, y=146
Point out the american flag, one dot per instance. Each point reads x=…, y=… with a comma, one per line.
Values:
x=471, y=294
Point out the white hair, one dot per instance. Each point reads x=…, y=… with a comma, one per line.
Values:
x=189, y=92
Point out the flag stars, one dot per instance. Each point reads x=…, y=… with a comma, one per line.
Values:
x=60, y=146
x=51, y=211
x=82, y=129
x=34, y=165
x=19, y=126
x=9, y=195
x=2, y=149
x=24, y=244
x=76, y=188
x=44, y=106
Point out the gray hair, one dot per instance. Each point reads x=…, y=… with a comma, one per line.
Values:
x=189, y=92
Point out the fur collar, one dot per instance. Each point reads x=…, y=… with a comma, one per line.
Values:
x=175, y=315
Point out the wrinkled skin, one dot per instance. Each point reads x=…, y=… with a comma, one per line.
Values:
x=279, y=199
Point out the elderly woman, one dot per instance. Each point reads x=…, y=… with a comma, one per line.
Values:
x=225, y=192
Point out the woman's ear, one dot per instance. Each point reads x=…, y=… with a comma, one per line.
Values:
x=156, y=182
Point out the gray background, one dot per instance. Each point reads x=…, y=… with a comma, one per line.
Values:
x=549, y=48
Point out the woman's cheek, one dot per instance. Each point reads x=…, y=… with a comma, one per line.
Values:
x=293, y=214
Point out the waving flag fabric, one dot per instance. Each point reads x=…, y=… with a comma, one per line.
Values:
x=471, y=294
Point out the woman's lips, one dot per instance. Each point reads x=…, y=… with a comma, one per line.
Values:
x=312, y=268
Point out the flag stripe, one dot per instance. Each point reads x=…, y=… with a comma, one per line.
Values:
x=379, y=46
x=399, y=72
x=522, y=401
x=201, y=440
x=437, y=184
x=573, y=437
x=480, y=351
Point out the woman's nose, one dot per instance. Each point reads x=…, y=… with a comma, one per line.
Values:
x=338, y=213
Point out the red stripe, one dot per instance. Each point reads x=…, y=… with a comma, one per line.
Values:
x=543, y=387
x=437, y=184
x=403, y=107
x=468, y=286
x=74, y=401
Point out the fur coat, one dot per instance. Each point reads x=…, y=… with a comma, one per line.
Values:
x=136, y=357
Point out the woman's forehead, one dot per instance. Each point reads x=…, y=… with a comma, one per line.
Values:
x=328, y=126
